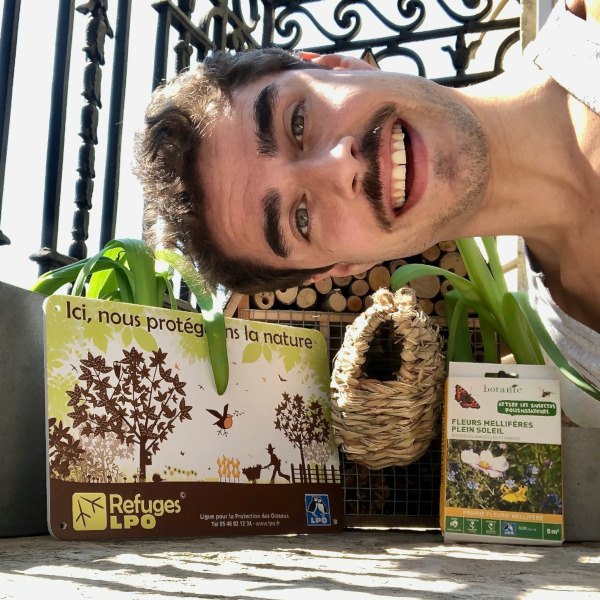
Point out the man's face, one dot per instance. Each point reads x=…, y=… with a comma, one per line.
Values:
x=307, y=169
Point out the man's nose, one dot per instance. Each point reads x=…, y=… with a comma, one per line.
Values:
x=337, y=169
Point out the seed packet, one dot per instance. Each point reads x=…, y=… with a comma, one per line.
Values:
x=502, y=472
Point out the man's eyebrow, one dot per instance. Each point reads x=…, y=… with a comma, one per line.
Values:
x=271, y=204
x=264, y=110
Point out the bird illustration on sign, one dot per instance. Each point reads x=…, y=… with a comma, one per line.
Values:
x=224, y=420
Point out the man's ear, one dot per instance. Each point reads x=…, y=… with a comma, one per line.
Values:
x=341, y=270
x=341, y=62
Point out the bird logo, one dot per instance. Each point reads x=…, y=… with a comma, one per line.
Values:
x=224, y=421
x=317, y=509
x=317, y=504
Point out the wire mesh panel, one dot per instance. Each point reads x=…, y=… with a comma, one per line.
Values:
x=393, y=496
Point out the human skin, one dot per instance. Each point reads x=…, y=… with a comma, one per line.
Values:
x=513, y=156
x=449, y=163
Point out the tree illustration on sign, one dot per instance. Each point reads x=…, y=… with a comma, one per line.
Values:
x=64, y=450
x=302, y=423
x=99, y=462
x=137, y=400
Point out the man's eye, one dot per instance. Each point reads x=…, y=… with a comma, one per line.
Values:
x=297, y=125
x=302, y=220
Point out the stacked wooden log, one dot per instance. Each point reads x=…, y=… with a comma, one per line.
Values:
x=352, y=293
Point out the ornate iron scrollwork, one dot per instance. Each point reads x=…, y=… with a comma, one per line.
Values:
x=348, y=19
x=471, y=4
x=97, y=29
x=230, y=31
x=401, y=29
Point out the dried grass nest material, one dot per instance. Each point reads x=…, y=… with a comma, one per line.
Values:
x=384, y=423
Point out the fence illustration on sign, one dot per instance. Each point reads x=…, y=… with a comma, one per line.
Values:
x=315, y=474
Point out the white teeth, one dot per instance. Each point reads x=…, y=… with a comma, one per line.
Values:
x=398, y=156
x=397, y=133
x=399, y=173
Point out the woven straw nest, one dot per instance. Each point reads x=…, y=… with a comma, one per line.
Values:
x=383, y=423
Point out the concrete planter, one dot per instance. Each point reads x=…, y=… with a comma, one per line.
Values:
x=22, y=414
x=581, y=483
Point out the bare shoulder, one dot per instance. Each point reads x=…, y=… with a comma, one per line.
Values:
x=586, y=9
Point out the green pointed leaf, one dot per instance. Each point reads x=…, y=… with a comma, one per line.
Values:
x=216, y=335
x=88, y=269
x=481, y=277
x=523, y=344
x=103, y=282
x=459, y=337
x=489, y=339
x=141, y=264
x=214, y=320
x=409, y=272
x=551, y=348
x=163, y=284
x=169, y=284
x=49, y=282
x=191, y=277
x=491, y=249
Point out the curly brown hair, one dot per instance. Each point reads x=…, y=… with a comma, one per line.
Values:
x=178, y=117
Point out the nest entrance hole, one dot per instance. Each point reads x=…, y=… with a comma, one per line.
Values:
x=383, y=358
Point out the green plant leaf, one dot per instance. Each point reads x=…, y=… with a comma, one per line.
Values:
x=525, y=346
x=409, y=272
x=172, y=298
x=163, y=284
x=52, y=281
x=551, y=348
x=214, y=320
x=141, y=265
x=99, y=262
x=131, y=277
x=103, y=282
x=491, y=248
x=481, y=277
x=191, y=277
x=216, y=335
x=488, y=337
x=459, y=337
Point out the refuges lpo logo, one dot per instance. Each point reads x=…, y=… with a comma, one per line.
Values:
x=89, y=512
x=95, y=511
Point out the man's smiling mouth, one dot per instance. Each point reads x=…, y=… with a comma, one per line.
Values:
x=399, y=148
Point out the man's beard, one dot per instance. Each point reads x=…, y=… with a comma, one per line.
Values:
x=369, y=144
